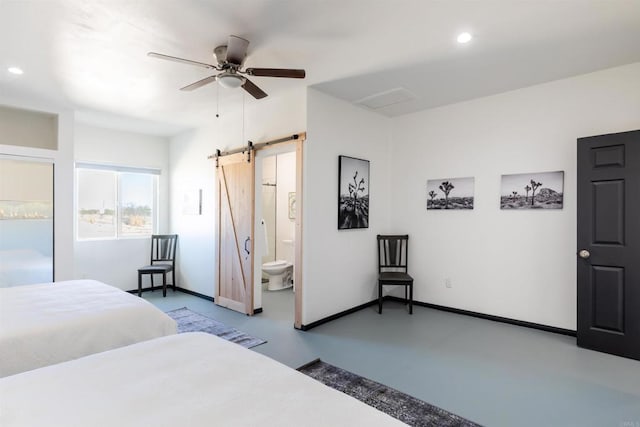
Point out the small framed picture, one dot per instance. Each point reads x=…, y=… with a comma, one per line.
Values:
x=192, y=201
x=292, y=205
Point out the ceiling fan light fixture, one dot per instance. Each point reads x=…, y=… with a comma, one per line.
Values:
x=230, y=80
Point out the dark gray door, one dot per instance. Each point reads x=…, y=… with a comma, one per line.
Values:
x=609, y=243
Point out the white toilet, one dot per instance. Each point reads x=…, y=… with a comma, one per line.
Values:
x=280, y=273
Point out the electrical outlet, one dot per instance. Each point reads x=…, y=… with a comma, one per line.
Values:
x=447, y=282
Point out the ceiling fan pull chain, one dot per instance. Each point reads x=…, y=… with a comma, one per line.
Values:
x=243, y=117
x=217, y=101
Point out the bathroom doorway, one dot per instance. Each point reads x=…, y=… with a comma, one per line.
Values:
x=248, y=212
x=275, y=237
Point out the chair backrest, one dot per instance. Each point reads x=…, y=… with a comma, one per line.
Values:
x=163, y=248
x=393, y=252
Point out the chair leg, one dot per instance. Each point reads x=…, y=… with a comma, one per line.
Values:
x=379, y=298
x=173, y=279
x=164, y=284
x=152, y=286
x=139, y=284
x=411, y=298
x=405, y=295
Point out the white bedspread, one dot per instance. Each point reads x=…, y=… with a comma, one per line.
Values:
x=50, y=323
x=191, y=379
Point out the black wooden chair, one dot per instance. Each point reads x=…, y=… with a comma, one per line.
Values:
x=163, y=261
x=392, y=266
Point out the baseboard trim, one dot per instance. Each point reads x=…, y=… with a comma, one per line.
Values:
x=154, y=288
x=337, y=315
x=507, y=320
x=493, y=318
x=195, y=294
x=532, y=325
x=178, y=288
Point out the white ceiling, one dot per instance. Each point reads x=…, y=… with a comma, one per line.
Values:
x=91, y=55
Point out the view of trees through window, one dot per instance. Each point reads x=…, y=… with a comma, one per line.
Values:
x=113, y=204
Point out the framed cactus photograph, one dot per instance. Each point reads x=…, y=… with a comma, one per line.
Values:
x=450, y=193
x=540, y=190
x=353, y=193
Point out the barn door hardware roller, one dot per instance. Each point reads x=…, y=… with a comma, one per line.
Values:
x=248, y=151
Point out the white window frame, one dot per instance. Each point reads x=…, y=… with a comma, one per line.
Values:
x=117, y=170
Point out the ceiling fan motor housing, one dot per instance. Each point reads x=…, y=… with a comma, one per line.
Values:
x=220, y=54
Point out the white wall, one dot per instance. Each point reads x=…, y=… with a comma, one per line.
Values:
x=63, y=178
x=266, y=119
x=116, y=261
x=285, y=227
x=516, y=264
x=340, y=267
x=268, y=193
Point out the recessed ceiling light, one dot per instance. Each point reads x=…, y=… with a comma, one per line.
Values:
x=464, y=38
x=15, y=70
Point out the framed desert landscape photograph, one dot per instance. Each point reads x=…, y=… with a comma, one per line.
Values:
x=541, y=190
x=450, y=193
x=353, y=193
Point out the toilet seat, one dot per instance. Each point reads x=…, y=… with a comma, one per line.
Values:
x=277, y=263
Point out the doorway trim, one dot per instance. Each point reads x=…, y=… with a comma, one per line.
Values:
x=298, y=140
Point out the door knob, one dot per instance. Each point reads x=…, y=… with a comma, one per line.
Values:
x=584, y=254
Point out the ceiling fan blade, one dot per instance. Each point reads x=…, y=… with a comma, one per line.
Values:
x=276, y=72
x=253, y=90
x=199, y=83
x=236, y=49
x=182, y=60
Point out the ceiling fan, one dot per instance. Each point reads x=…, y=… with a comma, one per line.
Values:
x=230, y=58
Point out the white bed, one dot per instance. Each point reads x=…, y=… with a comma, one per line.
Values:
x=50, y=323
x=191, y=379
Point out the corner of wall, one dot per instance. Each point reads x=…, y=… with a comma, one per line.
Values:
x=335, y=128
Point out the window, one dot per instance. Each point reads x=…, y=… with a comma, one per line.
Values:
x=116, y=202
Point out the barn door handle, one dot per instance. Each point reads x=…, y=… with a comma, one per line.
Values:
x=245, y=245
x=584, y=254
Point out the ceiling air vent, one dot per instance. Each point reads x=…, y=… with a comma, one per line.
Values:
x=386, y=98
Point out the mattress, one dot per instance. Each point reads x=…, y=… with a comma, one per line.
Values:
x=50, y=323
x=192, y=379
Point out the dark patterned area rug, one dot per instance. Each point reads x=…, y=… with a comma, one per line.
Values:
x=190, y=321
x=401, y=406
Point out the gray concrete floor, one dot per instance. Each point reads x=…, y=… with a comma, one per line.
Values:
x=491, y=373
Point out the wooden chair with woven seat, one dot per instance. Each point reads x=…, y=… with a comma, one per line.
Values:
x=163, y=261
x=392, y=266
